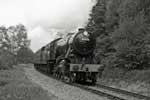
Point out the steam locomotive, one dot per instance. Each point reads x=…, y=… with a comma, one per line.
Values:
x=70, y=58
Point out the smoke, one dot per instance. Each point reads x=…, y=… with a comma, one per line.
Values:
x=45, y=18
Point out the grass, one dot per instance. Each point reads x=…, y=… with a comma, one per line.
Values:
x=133, y=80
x=126, y=75
x=14, y=85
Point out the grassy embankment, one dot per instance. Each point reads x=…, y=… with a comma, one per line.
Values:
x=14, y=85
x=132, y=80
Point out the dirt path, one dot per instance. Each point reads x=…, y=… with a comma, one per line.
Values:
x=59, y=89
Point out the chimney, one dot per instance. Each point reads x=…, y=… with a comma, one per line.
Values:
x=81, y=30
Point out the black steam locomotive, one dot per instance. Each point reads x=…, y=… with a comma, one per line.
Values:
x=70, y=58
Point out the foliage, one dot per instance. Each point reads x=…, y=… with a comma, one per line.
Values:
x=124, y=41
x=4, y=38
x=113, y=73
x=18, y=37
x=132, y=43
x=7, y=59
x=25, y=55
x=137, y=75
x=96, y=23
x=12, y=40
x=97, y=27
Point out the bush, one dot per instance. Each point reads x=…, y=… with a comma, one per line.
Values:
x=6, y=59
x=131, y=76
x=137, y=75
x=132, y=43
x=25, y=55
x=113, y=73
x=127, y=25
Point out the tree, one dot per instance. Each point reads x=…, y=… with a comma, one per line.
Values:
x=25, y=55
x=96, y=24
x=132, y=37
x=18, y=37
x=122, y=31
x=98, y=29
x=14, y=40
x=22, y=36
x=5, y=41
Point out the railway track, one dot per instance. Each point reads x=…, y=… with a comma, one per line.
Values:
x=125, y=95
x=112, y=93
x=120, y=91
x=94, y=91
x=100, y=93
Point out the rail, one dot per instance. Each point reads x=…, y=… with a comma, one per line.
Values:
x=120, y=91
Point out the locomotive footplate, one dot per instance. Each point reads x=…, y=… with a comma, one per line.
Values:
x=85, y=72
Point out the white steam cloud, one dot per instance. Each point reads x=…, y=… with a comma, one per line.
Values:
x=44, y=18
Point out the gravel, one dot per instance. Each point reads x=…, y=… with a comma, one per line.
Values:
x=61, y=90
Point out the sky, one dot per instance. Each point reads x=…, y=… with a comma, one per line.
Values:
x=44, y=18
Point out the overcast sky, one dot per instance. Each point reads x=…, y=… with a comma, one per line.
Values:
x=44, y=18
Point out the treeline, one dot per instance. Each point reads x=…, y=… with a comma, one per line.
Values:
x=122, y=28
x=14, y=46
